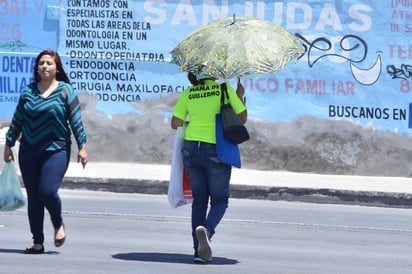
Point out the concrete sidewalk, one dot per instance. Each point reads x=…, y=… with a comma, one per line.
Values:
x=254, y=184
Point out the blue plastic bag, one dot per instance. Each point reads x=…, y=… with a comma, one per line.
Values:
x=227, y=151
x=11, y=196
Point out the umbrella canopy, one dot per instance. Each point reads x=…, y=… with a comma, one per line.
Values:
x=236, y=47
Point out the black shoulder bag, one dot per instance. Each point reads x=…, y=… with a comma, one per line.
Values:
x=233, y=128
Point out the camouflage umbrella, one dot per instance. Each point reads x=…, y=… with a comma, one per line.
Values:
x=236, y=47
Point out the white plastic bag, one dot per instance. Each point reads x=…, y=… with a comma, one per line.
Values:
x=11, y=196
x=179, y=191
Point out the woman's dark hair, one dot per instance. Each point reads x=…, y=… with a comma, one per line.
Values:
x=60, y=74
x=192, y=79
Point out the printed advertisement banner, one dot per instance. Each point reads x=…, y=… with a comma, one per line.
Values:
x=356, y=65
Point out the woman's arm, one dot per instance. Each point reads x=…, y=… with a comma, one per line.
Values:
x=240, y=91
x=75, y=116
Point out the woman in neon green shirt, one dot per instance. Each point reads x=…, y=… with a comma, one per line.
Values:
x=209, y=178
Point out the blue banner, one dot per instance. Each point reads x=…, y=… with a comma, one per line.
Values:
x=356, y=66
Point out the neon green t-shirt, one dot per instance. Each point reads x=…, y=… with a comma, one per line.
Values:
x=200, y=104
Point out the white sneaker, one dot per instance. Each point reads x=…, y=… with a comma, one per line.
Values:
x=204, y=251
x=197, y=259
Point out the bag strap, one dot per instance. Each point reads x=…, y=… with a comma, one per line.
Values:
x=223, y=88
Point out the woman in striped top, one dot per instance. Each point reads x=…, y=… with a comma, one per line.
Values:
x=47, y=112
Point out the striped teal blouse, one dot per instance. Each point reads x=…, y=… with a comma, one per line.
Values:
x=44, y=122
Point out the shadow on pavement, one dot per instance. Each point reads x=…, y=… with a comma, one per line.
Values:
x=5, y=250
x=21, y=251
x=168, y=258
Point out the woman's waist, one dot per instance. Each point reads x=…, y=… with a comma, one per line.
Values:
x=200, y=143
x=45, y=145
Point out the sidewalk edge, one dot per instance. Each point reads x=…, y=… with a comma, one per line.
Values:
x=308, y=195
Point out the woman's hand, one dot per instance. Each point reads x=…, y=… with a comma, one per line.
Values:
x=8, y=154
x=82, y=156
x=176, y=122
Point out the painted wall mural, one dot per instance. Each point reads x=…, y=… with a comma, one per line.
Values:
x=353, y=83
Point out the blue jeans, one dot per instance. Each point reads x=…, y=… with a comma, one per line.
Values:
x=42, y=173
x=209, y=179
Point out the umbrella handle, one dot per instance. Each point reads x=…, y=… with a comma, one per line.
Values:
x=234, y=19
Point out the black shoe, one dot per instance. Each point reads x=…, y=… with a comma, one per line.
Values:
x=59, y=242
x=33, y=250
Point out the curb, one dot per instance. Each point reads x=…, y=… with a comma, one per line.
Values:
x=307, y=195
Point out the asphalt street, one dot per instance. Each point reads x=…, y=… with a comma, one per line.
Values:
x=139, y=233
